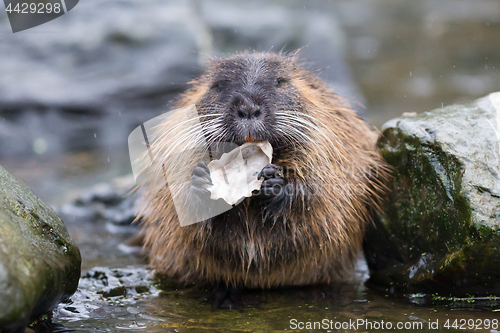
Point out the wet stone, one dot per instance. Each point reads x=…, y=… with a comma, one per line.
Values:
x=440, y=231
x=39, y=262
x=112, y=202
x=103, y=288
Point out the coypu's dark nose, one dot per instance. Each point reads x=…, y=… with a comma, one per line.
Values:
x=249, y=113
x=246, y=108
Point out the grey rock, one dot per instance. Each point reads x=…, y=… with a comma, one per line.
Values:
x=86, y=79
x=39, y=262
x=440, y=232
x=114, y=202
x=102, y=67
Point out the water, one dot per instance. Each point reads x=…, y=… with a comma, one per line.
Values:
x=417, y=56
x=345, y=307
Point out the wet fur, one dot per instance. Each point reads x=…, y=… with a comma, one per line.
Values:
x=299, y=240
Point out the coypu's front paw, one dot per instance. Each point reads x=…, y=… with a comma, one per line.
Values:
x=273, y=183
x=200, y=177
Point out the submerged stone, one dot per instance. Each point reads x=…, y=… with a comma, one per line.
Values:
x=440, y=227
x=39, y=262
x=110, y=289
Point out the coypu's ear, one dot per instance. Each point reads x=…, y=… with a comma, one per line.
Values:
x=281, y=80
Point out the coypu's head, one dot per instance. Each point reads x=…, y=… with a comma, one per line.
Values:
x=251, y=96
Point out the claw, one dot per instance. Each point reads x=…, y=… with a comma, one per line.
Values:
x=199, y=178
x=270, y=171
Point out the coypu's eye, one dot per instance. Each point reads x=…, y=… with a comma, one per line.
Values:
x=220, y=85
x=217, y=86
x=280, y=81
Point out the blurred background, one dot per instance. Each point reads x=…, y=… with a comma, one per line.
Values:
x=72, y=90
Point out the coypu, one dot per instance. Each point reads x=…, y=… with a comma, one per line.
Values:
x=305, y=226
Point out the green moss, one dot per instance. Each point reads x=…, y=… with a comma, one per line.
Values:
x=426, y=208
x=118, y=291
x=487, y=234
x=38, y=226
x=141, y=289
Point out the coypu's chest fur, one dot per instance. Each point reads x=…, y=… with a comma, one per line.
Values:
x=325, y=163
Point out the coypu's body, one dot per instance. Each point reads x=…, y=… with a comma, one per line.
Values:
x=309, y=233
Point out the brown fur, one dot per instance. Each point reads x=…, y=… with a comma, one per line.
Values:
x=314, y=241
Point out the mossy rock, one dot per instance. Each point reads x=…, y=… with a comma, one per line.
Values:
x=39, y=262
x=439, y=231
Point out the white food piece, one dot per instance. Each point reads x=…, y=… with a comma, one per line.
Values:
x=234, y=175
